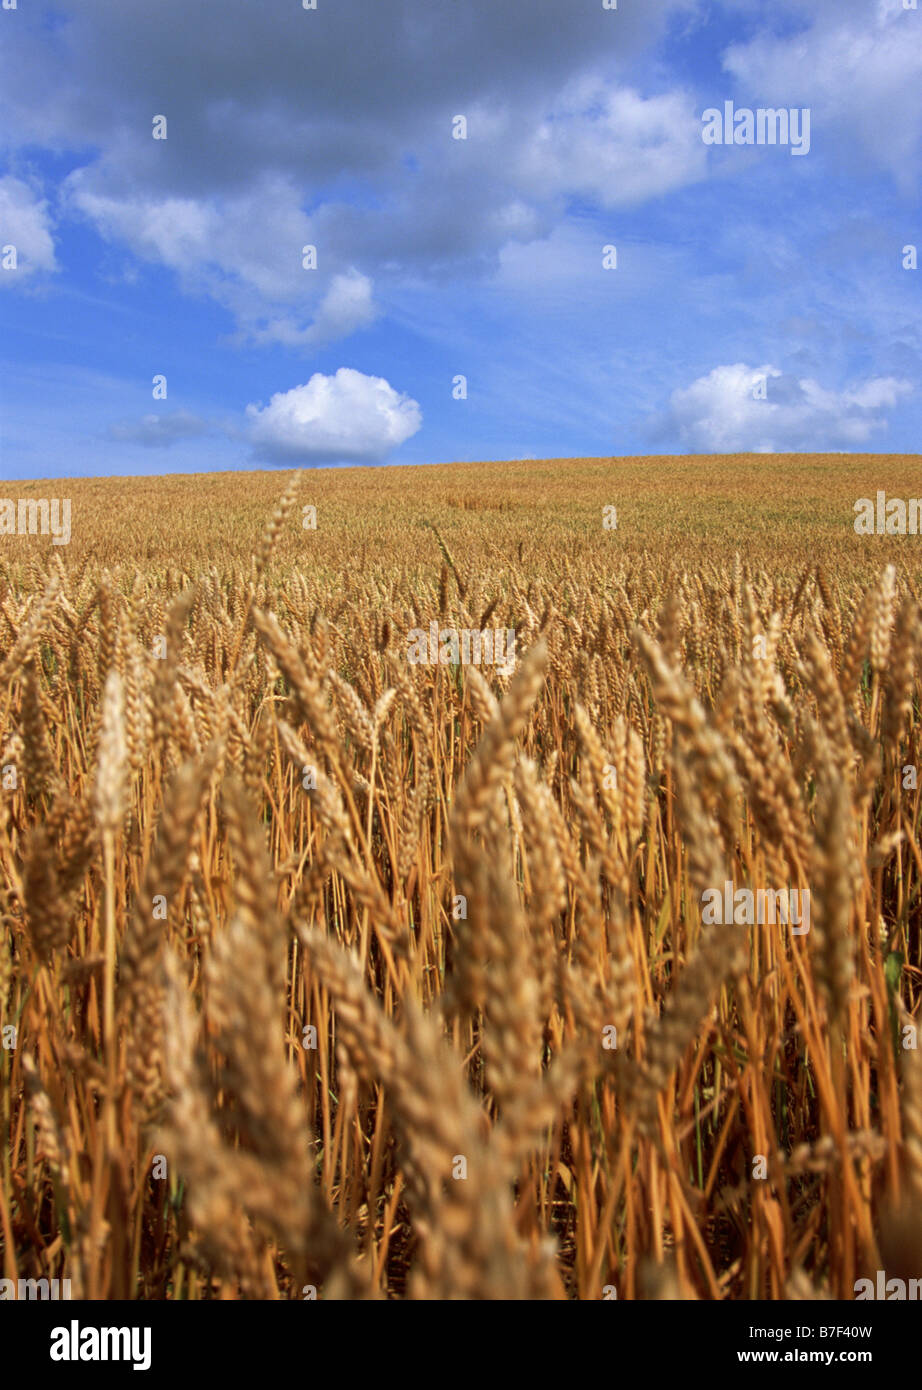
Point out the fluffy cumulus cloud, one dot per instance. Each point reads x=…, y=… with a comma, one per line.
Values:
x=344, y=418
x=25, y=224
x=739, y=408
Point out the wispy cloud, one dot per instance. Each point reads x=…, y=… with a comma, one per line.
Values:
x=26, y=230
x=160, y=431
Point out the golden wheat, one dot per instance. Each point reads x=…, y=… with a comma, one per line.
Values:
x=321, y=968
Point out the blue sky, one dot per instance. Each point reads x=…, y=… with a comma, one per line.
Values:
x=759, y=302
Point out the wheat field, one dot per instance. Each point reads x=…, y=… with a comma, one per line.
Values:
x=324, y=973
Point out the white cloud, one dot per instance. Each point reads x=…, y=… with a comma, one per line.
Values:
x=614, y=146
x=25, y=224
x=348, y=417
x=182, y=233
x=858, y=69
x=245, y=251
x=347, y=306
x=740, y=408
